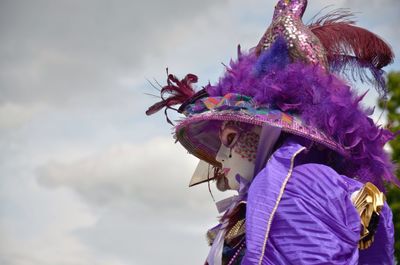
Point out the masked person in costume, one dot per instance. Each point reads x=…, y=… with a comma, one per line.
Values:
x=284, y=129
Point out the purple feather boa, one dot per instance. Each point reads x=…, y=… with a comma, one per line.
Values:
x=323, y=101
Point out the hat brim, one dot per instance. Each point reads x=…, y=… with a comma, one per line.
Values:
x=199, y=133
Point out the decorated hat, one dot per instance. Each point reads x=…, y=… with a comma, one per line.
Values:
x=297, y=79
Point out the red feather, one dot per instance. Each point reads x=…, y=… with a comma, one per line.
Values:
x=178, y=92
x=352, y=50
x=339, y=36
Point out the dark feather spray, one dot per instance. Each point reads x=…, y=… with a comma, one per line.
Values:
x=178, y=92
x=353, y=51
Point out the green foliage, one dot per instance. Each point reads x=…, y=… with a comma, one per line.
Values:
x=393, y=198
x=393, y=116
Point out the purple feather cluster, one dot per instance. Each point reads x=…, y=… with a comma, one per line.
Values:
x=322, y=100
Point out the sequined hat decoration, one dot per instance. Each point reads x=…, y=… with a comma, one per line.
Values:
x=287, y=24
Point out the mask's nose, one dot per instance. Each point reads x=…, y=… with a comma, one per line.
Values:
x=223, y=154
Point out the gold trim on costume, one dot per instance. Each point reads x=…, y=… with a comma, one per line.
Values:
x=211, y=235
x=237, y=230
x=368, y=201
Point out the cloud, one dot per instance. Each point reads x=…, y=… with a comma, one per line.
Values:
x=143, y=195
x=72, y=221
x=150, y=237
x=40, y=228
x=154, y=173
x=49, y=249
x=14, y=115
x=56, y=50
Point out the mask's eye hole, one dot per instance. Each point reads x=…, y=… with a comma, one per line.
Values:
x=229, y=137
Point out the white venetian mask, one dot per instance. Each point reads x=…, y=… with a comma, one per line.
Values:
x=237, y=154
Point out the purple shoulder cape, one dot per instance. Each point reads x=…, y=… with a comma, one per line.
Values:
x=303, y=215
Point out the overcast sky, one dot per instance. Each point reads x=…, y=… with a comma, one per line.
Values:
x=86, y=178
